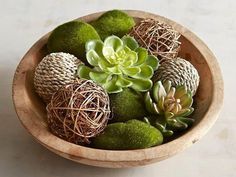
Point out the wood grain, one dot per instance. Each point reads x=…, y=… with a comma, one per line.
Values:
x=208, y=102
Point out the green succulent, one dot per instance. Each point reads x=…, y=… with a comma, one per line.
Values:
x=133, y=134
x=118, y=63
x=169, y=106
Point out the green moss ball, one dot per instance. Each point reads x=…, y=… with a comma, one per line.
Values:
x=133, y=134
x=113, y=22
x=71, y=37
x=127, y=105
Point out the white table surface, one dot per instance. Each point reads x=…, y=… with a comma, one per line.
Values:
x=22, y=22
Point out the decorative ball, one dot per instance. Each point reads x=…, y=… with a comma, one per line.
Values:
x=54, y=71
x=78, y=111
x=71, y=37
x=179, y=72
x=127, y=105
x=159, y=38
x=114, y=22
x=133, y=134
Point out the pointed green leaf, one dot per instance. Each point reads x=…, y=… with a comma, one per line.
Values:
x=188, y=121
x=180, y=91
x=152, y=61
x=167, y=85
x=99, y=77
x=149, y=104
x=114, y=42
x=142, y=56
x=145, y=73
x=160, y=103
x=158, y=91
x=185, y=112
x=171, y=93
x=186, y=100
x=169, y=115
x=163, y=130
x=130, y=42
x=83, y=71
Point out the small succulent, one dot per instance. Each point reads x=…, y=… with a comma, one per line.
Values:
x=119, y=63
x=170, y=106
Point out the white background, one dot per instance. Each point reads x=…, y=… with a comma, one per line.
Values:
x=22, y=22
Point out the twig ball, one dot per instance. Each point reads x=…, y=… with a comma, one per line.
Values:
x=159, y=38
x=179, y=72
x=78, y=111
x=54, y=71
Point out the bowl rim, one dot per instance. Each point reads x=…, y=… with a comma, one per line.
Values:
x=73, y=151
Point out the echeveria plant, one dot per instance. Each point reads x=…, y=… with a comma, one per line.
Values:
x=118, y=63
x=171, y=105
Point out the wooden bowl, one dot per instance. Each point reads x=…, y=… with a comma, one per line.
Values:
x=208, y=102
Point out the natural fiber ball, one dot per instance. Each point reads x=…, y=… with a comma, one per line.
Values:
x=179, y=72
x=54, y=71
x=78, y=111
x=159, y=38
x=71, y=37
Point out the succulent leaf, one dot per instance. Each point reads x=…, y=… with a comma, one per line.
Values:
x=130, y=42
x=173, y=105
x=83, y=71
x=153, y=62
x=120, y=62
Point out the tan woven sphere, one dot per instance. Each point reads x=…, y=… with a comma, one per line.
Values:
x=54, y=71
x=179, y=72
x=78, y=111
x=160, y=39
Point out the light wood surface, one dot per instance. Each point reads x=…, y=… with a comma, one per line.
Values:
x=208, y=102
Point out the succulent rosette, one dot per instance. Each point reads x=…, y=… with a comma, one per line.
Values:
x=169, y=106
x=119, y=63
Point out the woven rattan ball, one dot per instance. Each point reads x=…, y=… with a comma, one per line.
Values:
x=159, y=38
x=78, y=111
x=179, y=72
x=54, y=71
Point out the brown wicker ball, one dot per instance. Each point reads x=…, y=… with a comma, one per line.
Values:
x=78, y=111
x=54, y=71
x=160, y=39
x=179, y=72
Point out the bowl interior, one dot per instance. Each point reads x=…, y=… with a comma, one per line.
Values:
x=202, y=99
x=31, y=109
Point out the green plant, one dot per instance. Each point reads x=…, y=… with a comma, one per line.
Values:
x=119, y=63
x=169, y=106
x=133, y=134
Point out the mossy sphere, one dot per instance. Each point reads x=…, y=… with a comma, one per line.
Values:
x=127, y=105
x=71, y=37
x=113, y=22
x=133, y=134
